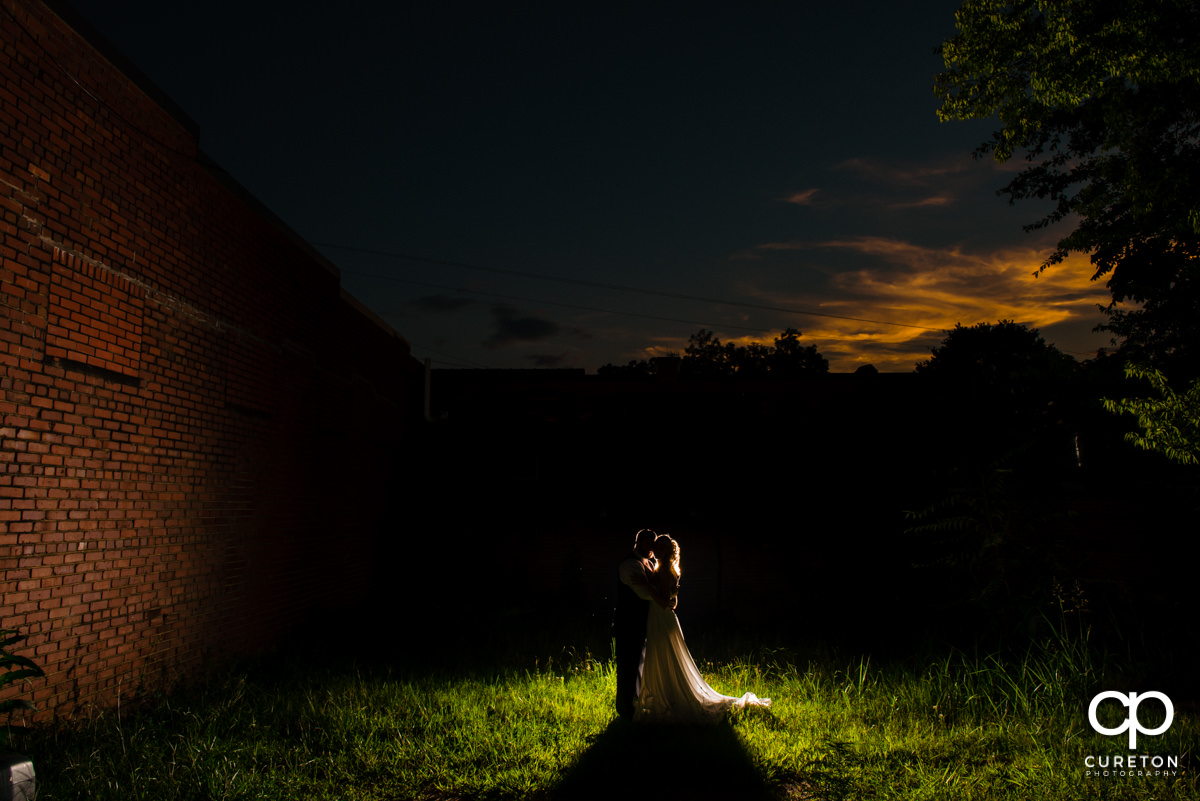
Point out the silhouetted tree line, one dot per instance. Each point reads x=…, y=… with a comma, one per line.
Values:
x=1024, y=431
x=1013, y=434
x=706, y=358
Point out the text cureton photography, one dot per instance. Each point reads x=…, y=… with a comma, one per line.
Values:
x=1130, y=764
x=1139, y=765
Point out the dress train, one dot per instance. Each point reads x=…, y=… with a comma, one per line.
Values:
x=673, y=691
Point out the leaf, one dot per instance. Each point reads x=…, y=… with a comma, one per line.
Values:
x=1103, y=99
x=14, y=659
x=1170, y=426
x=15, y=704
x=10, y=640
x=17, y=675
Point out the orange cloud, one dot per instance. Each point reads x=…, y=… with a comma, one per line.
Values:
x=936, y=200
x=929, y=290
x=804, y=198
x=889, y=174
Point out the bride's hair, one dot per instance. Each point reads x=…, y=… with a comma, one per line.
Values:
x=666, y=550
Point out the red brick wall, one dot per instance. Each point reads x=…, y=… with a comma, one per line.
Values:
x=199, y=432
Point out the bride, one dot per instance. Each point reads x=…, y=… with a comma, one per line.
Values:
x=673, y=691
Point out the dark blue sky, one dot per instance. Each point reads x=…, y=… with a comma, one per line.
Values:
x=785, y=157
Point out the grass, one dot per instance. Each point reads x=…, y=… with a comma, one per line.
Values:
x=954, y=727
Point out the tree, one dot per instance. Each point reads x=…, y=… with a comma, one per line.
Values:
x=1103, y=97
x=1004, y=426
x=988, y=543
x=790, y=358
x=706, y=357
x=1171, y=425
x=1006, y=356
x=1003, y=384
x=634, y=370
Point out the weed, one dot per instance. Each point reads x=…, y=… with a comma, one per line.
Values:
x=955, y=726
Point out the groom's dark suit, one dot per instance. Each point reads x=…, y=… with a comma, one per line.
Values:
x=629, y=629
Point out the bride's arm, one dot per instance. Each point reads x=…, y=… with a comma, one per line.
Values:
x=659, y=591
x=650, y=583
x=668, y=587
x=661, y=596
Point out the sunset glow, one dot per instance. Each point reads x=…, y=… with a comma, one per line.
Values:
x=929, y=291
x=575, y=217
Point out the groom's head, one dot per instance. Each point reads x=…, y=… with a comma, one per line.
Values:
x=644, y=544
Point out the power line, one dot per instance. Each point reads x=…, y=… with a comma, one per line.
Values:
x=453, y=359
x=577, y=307
x=616, y=287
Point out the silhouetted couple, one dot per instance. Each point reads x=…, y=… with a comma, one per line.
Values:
x=657, y=680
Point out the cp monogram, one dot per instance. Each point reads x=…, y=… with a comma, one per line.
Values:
x=1131, y=722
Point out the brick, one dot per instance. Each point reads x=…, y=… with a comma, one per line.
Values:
x=129, y=483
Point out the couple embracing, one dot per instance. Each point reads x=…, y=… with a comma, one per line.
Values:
x=657, y=680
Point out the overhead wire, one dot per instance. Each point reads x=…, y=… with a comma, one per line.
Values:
x=500, y=270
x=575, y=306
x=451, y=357
x=603, y=285
x=615, y=287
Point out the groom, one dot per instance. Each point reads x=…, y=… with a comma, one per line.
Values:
x=629, y=620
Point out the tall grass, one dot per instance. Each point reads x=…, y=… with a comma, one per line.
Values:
x=957, y=726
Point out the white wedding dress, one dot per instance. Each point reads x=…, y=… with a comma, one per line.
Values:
x=673, y=691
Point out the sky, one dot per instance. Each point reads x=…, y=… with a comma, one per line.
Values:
x=577, y=184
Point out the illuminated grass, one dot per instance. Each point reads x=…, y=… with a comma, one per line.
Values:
x=952, y=728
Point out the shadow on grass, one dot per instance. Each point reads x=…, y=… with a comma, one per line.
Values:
x=655, y=762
